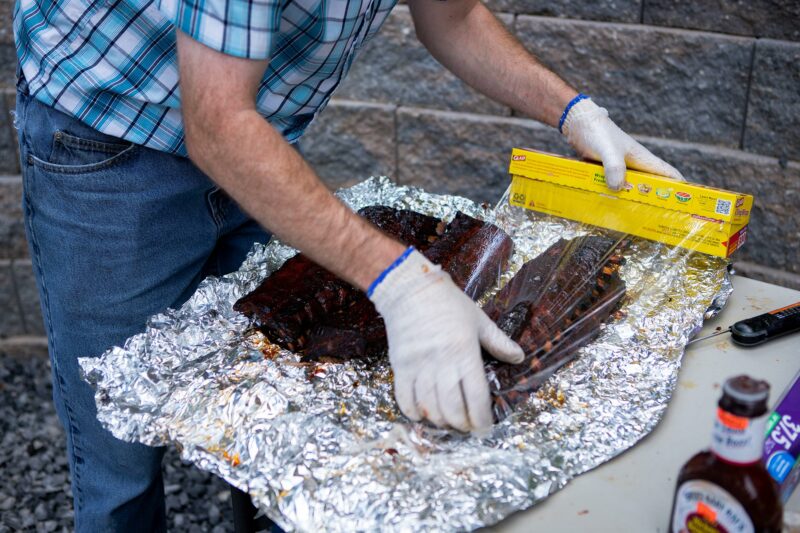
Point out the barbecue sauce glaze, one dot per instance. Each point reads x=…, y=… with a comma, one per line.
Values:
x=727, y=488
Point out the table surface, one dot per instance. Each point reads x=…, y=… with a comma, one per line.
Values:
x=634, y=491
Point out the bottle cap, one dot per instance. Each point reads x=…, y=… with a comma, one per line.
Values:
x=746, y=389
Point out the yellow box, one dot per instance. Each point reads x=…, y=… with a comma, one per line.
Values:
x=709, y=220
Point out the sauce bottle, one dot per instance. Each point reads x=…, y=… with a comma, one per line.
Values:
x=727, y=488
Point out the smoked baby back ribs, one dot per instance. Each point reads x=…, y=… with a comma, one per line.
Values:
x=553, y=306
x=301, y=293
x=307, y=309
x=473, y=252
x=410, y=227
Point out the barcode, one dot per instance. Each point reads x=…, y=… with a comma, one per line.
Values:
x=723, y=207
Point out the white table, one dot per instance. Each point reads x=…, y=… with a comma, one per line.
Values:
x=633, y=492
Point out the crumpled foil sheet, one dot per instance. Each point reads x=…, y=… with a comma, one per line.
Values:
x=325, y=447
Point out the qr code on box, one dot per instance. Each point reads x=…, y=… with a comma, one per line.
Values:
x=723, y=207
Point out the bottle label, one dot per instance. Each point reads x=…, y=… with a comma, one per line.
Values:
x=703, y=507
x=738, y=439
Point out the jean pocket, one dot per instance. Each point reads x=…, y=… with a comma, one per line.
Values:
x=71, y=154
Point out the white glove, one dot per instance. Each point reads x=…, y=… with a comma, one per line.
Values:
x=435, y=334
x=595, y=136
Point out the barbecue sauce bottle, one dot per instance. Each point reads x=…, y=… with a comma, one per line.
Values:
x=727, y=488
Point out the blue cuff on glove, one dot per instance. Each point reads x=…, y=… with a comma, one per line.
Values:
x=571, y=103
x=396, y=263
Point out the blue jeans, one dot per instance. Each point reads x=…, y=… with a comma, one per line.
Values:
x=117, y=233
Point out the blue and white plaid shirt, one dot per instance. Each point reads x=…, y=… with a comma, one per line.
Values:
x=113, y=64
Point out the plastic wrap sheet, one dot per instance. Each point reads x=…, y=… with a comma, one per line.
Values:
x=324, y=446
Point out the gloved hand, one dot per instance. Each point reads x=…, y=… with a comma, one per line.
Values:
x=435, y=334
x=595, y=136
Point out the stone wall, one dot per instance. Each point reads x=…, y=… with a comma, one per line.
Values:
x=713, y=86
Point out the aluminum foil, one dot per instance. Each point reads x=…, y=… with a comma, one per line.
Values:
x=325, y=447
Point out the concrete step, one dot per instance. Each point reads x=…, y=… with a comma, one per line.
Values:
x=24, y=346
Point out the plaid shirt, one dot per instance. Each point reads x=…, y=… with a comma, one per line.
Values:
x=113, y=64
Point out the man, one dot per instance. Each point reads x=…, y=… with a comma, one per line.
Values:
x=112, y=98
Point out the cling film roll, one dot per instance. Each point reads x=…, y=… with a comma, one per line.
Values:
x=696, y=217
x=560, y=300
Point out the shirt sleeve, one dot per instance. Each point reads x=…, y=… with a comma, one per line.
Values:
x=241, y=28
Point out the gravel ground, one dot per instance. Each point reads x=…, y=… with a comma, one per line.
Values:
x=35, y=492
